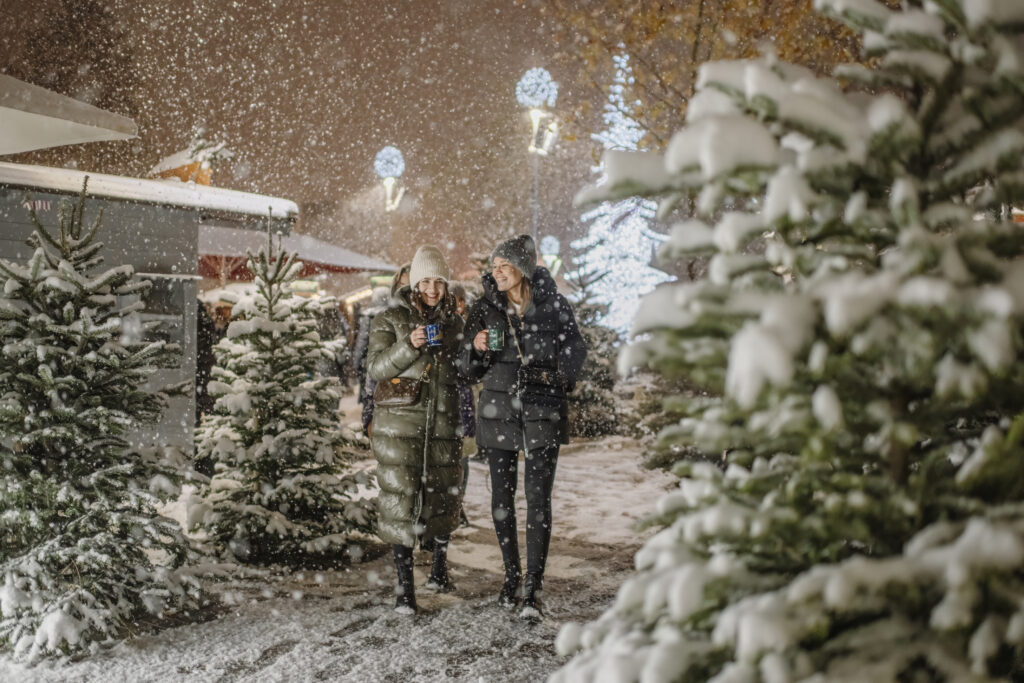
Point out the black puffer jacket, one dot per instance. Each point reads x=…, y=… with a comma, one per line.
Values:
x=520, y=404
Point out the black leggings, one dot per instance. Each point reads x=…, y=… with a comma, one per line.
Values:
x=538, y=480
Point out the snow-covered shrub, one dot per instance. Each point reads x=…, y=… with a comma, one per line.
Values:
x=280, y=491
x=869, y=524
x=593, y=410
x=83, y=552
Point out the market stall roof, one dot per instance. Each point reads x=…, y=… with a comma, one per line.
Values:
x=222, y=254
x=165, y=192
x=36, y=118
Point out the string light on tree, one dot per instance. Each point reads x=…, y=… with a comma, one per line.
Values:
x=389, y=165
x=620, y=242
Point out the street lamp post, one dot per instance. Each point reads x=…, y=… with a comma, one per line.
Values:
x=390, y=165
x=537, y=91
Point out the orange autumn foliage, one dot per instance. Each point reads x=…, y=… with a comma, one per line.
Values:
x=666, y=43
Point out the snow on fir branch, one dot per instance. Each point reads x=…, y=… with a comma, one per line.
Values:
x=861, y=327
x=84, y=554
x=281, y=491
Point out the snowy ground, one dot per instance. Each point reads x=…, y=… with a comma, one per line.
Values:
x=339, y=625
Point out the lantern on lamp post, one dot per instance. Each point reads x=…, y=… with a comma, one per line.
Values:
x=549, y=254
x=537, y=92
x=390, y=165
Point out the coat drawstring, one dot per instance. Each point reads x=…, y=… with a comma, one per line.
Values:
x=418, y=512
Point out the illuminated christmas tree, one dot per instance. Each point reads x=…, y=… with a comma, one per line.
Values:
x=620, y=242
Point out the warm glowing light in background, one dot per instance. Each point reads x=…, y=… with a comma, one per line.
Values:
x=389, y=165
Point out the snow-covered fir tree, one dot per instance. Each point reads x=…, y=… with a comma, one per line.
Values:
x=592, y=408
x=867, y=523
x=619, y=241
x=84, y=555
x=281, y=491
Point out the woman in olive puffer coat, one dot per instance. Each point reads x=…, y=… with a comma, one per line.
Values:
x=418, y=447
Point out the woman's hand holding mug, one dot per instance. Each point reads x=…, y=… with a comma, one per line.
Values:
x=418, y=337
x=480, y=341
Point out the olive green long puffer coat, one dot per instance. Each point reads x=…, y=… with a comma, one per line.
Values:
x=408, y=438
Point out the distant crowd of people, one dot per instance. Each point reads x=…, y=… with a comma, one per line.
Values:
x=442, y=378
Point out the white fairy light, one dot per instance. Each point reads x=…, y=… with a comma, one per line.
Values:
x=620, y=243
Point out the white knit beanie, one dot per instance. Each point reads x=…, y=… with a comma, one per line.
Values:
x=428, y=262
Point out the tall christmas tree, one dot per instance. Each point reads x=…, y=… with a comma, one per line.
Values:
x=619, y=241
x=83, y=553
x=592, y=408
x=868, y=523
x=279, y=492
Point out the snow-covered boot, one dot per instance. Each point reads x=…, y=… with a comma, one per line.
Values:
x=405, y=591
x=439, y=581
x=509, y=595
x=531, y=597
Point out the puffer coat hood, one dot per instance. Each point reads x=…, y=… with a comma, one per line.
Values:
x=409, y=439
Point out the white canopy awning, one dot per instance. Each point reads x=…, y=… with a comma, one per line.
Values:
x=165, y=192
x=222, y=253
x=36, y=118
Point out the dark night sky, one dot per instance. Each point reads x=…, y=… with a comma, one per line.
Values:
x=306, y=92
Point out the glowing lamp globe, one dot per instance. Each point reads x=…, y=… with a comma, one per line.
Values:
x=536, y=89
x=389, y=163
x=549, y=245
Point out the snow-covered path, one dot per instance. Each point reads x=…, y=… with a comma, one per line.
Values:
x=339, y=625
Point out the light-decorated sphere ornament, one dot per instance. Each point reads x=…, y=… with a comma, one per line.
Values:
x=536, y=89
x=549, y=245
x=389, y=163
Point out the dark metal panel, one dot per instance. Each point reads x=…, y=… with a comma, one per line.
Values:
x=149, y=237
x=158, y=241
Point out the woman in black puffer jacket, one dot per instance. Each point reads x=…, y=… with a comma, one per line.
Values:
x=532, y=363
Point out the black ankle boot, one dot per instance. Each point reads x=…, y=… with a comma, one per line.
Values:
x=439, y=581
x=405, y=592
x=509, y=595
x=531, y=597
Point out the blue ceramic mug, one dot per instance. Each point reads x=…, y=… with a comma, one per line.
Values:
x=433, y=334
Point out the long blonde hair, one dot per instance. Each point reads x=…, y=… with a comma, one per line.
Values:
x=525, y=293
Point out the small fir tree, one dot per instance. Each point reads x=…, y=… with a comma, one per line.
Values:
x=592, y=407
x=83, y=553
x=869, y=523
x=279, y=492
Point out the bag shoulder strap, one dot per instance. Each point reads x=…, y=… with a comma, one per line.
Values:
x=423, y=375
x=515, y=337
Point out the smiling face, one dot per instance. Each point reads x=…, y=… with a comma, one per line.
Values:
x=506, y=275
x=431, y=290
